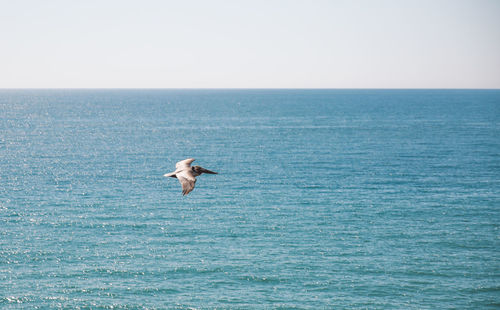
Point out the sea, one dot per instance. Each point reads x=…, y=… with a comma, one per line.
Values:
x=324, y=199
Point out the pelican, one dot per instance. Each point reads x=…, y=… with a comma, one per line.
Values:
x=187, y=174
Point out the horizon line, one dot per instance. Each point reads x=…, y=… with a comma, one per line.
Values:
x=248, y=88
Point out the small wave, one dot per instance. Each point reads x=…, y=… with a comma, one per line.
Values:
x=15, y=299
x=157, y=290
x=191, y=270
x=261, y=279
x=489, y=289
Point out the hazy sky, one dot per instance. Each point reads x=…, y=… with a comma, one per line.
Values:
x=247, y=44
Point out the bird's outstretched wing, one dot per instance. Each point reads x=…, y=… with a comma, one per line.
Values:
x=184, y=163
x=187, y=181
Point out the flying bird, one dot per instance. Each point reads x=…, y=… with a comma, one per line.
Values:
x=187, y=174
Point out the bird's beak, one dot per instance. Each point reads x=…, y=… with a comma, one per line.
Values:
x=207, y=171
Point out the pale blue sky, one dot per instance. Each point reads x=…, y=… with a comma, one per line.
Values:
x=250, y=44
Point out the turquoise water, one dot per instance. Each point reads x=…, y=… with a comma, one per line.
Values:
x=338, y=199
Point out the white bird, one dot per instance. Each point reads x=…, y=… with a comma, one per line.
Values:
x=187, y=174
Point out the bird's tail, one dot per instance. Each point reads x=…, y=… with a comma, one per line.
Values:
x=171, y=174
